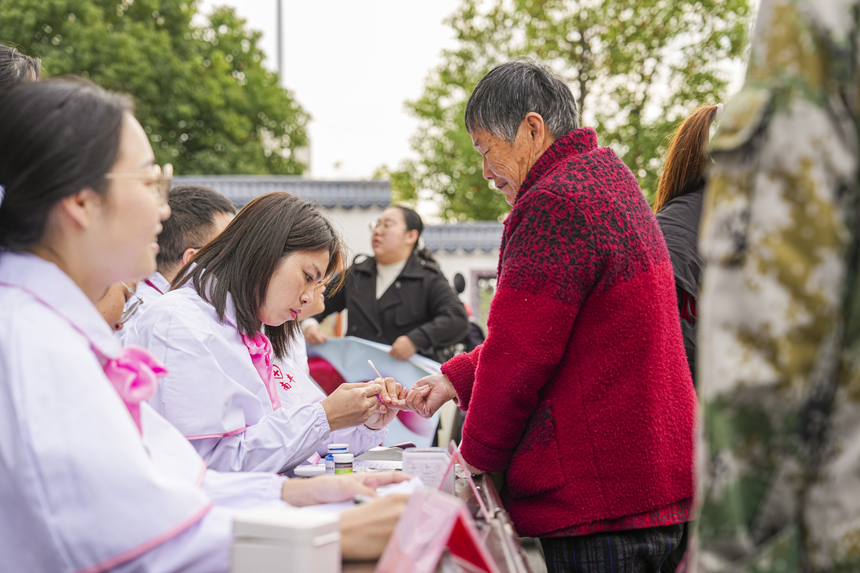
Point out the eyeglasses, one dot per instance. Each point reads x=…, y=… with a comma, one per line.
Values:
x=131, y=305
x=160, y=183
x=384, y=223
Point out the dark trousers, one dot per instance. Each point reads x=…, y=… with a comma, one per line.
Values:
x=630, y=551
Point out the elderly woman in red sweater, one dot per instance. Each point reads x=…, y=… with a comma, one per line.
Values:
x=581, y=391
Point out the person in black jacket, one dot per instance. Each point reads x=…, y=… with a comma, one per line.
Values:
x=678, y=207
x=399, y=296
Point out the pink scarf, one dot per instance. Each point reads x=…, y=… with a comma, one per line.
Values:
x=134, y=374
x=260, y=349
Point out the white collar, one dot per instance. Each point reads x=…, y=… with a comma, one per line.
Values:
x=157, y=282
x=229, y=308
x=49, y=285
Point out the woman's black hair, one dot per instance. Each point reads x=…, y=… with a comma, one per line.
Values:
x=58, y=136
x=16, y=68
x=414, y=223
x=242, y=259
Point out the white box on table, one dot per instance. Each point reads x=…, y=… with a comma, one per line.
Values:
x=278, y=539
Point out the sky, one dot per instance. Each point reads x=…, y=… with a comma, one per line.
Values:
x=352, y=65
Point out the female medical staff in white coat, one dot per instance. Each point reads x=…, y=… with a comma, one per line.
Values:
x=227, y=381
x=93, y=479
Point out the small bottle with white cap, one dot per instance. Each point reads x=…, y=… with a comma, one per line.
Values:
x=329, y=459
x=343, y=463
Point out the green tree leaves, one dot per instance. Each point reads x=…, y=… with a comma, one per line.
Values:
x=201, y=91
x=636, y=69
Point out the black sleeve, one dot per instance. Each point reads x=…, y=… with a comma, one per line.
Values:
x=449, y=322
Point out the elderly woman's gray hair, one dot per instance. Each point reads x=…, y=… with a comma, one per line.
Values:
x=504, y=96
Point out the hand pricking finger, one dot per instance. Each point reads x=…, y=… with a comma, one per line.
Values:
x=373, y=389
x=384, y=394
x=390, y=389
x=396, y=395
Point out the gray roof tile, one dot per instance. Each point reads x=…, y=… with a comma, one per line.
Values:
x=241, y=189
x=484, y=235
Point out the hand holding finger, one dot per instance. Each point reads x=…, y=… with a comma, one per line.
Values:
x=351, y=405
x=383, y=396
x=371, y=389
x=392, y=389
x=416, y=397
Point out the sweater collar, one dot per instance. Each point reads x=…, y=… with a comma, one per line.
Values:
x=573, y=143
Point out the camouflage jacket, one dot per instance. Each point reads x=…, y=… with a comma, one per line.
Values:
x=779, y=347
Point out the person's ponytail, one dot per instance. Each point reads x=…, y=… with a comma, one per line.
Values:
x=422, y=252
x=684, y=168
x=414, y=223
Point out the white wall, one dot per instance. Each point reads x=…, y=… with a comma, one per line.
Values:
x=465, y=263
x=354, y=224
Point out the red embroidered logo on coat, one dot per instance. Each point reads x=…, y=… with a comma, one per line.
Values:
x=276, y=373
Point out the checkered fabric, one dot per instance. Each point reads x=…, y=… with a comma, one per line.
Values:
x=630, y=551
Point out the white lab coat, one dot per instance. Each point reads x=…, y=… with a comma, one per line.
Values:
x=151, y=288
x=147, y=290
x=155, y=285
x=298, y=353
x=214, y=395
x=83, y=488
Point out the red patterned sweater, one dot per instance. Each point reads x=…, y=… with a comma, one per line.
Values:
x=581, y=391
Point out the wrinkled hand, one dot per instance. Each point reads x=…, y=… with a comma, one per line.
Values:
x=329, y=489
x=314, y=335
x=402, y=349
x=393, y=399
x=429, y=394
x=365, y=529
x=351, y=405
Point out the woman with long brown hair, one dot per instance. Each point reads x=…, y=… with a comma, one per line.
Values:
x=222, y=333
x=94, y=479
x=678, y=207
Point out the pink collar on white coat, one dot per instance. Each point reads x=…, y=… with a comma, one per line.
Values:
x=157, y=283
x=259, y=349
x=131, y=370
